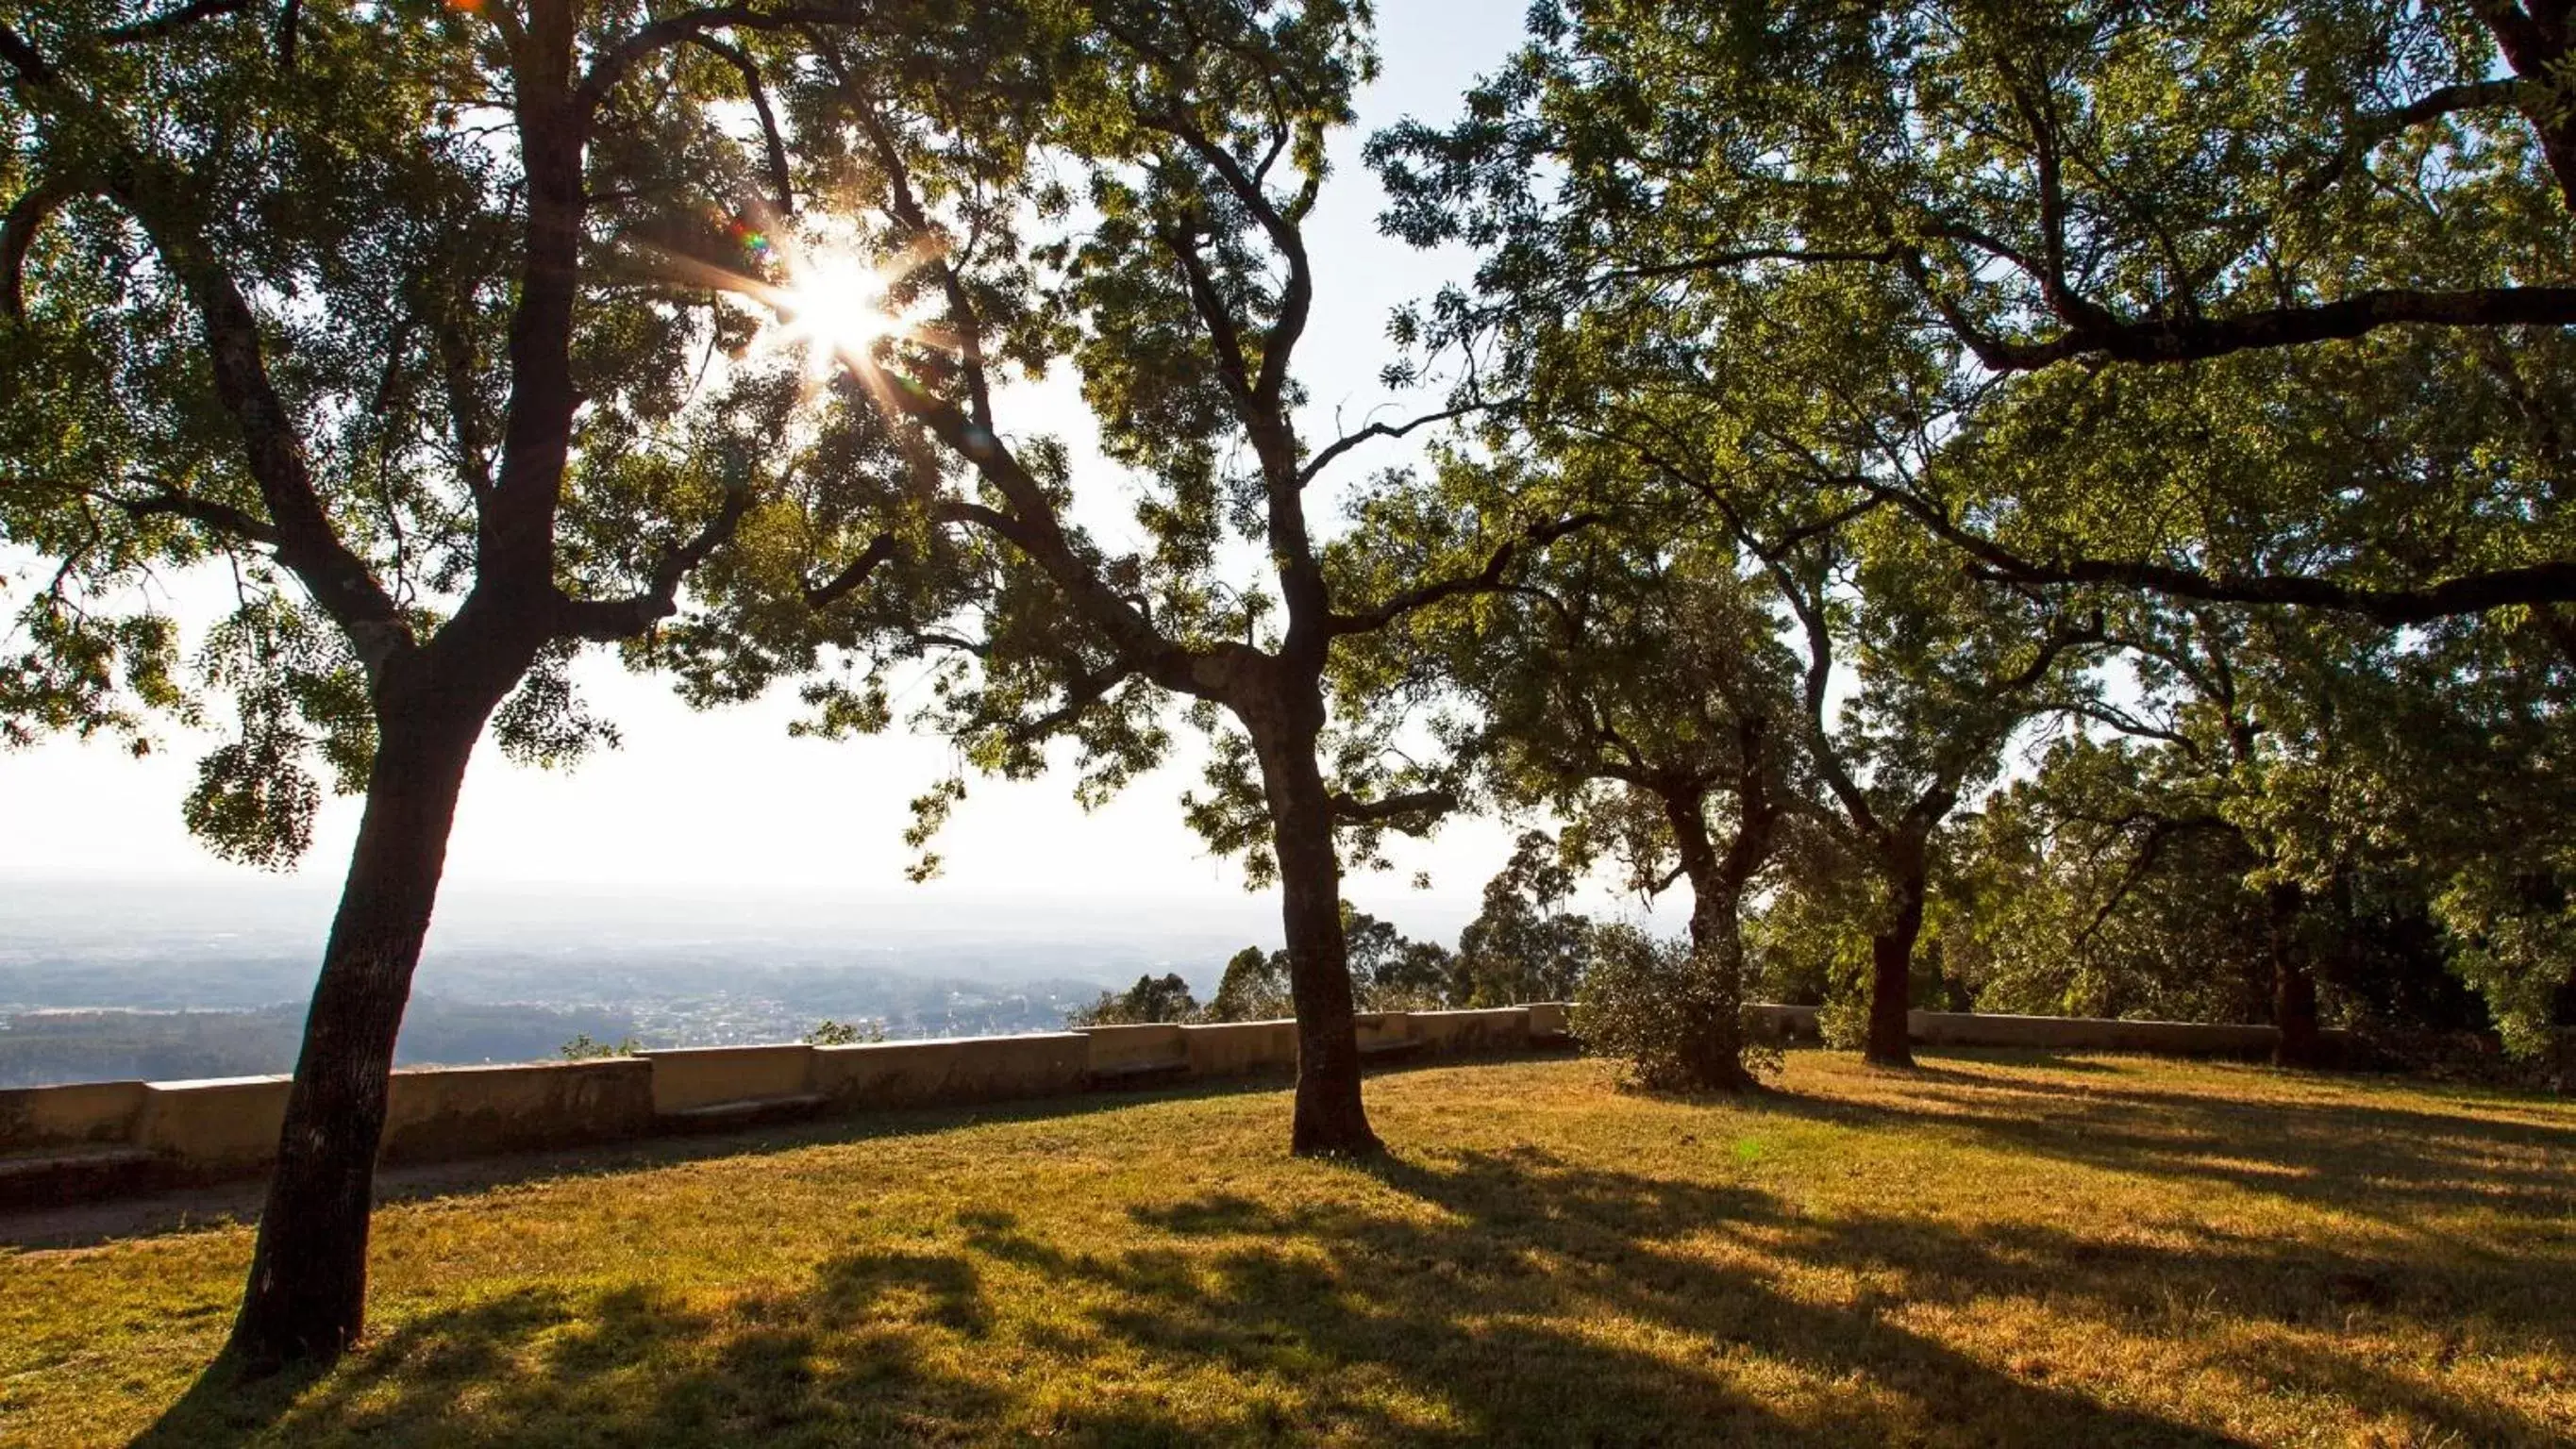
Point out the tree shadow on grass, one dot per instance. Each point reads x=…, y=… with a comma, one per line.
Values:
x=1506, y=1297
x=1499, y=1300
x=2385, y=1162
x=1477, y=1298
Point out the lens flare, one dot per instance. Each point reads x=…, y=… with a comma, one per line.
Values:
x=836, y=306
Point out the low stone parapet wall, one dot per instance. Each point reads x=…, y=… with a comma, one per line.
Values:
x=77, y=1114
x=686, y=1078
x=441, y=1114
x=957, y=1069
x=212, y=1127
x=1239, y=1048
x=128, y=1136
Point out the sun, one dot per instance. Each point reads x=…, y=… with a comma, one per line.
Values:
x=834, y=304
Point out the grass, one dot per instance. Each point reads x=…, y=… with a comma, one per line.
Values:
x=1997, y=1249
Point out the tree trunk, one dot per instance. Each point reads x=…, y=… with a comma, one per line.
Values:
x=306, y=1297
x=1891, y=958
x=2294, y=987
x=1714, y=1052
x=1330, y=1119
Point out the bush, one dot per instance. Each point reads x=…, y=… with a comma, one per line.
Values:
x=1149, y=1000
x=1668, y=1013
x=845, y=1033
x=583, y=1049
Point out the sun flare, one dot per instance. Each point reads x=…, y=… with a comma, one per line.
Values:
x=835, y=305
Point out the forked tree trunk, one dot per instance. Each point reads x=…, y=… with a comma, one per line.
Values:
x=1891, y=961
x=1716, y=1058
x=2294, y=986
x=306, y=1298
x=1330, y=1119
x=1714, y=1051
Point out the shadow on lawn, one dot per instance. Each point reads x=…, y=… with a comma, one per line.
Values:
x=1533, y=1303
x=2387, y=1163
x=1507, y=1297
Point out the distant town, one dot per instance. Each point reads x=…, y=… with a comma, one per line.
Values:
x=111, y=981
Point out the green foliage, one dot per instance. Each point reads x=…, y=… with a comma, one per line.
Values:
x=1524, y=945
x=1650, y=1004
x=828, y=1032
x=1151, y=999
x=267, y=319
x=1254, y=987
x=582, y=1049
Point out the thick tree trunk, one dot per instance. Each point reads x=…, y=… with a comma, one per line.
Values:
x=2294, y=986
x=1714, y=1051
x=1330, y=1119
x=1717, y=949
x=306, y=1297
x=1891, y=958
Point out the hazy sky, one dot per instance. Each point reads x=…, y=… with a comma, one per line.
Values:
x=726, y=799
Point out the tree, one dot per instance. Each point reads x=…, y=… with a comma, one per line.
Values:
x=2271, y=817
x=1947, y=672
x=1151, y=999
x=1178, y=295
x=295, y=295
x=2340, y=201
x=1254, y=987
x=1634, y=683
x=1523, y=945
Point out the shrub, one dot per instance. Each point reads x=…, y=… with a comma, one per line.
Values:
x=583, y=1049
x=1665, y=1011
x=845, y=1033
x=1149, y=1000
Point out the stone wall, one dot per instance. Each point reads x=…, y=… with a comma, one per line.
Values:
x=94, y=1139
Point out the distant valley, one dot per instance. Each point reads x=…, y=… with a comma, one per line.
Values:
x=162, y=982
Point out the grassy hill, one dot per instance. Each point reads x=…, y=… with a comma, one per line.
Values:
x=1995, y=1250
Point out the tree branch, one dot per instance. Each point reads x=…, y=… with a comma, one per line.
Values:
x=1085, y=691
x=1483, y=581
x=2193, y=339
x=880, y=551
x=1349, y=809
x=741, y=61
x=23, y=57
x=1315, y=466
x=306, y=541
x=608, y=621
x=174, y=21
x=222, y=517
x=612, y=66
x=2553, y=582
x=27, y=215
x=2370, y=129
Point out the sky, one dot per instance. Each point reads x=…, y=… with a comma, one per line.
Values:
x=705, y=804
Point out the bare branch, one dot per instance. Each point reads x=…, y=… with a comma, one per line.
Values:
x=1483, y=581
x=1315, y=466
x=607, y=621
x=779, y=177
x=1418, y=809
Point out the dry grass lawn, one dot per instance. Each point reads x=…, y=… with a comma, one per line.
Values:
x=1998, y=1249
